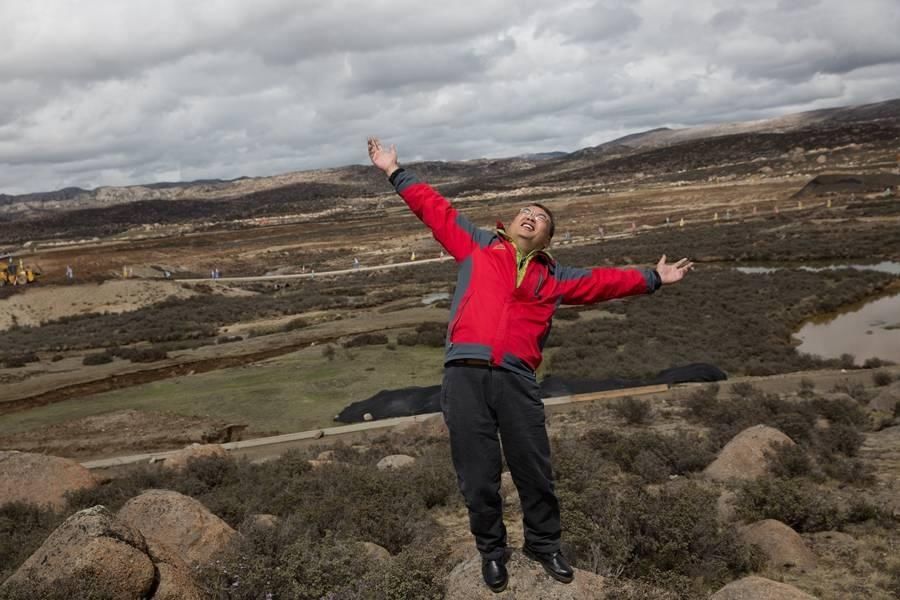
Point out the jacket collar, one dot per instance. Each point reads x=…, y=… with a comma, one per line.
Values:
x=544, y=254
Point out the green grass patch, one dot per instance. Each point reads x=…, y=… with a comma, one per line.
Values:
x=294, y=392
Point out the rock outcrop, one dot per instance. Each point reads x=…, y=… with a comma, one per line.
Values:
x=527, y=579
x=744, y=457
x=179, y=460
x=759, y=588
x=92, y=552
x=783, y=547
x=40, y=479
x=180, y=521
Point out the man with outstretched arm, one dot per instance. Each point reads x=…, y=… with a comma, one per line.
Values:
x=507, y=290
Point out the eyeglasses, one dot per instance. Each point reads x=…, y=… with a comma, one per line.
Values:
x=537, y=216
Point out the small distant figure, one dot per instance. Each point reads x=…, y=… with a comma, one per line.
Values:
x=681, y=222
x=600, y=231
x=728, y=214
x=167, y=274
x=633, y=227
x=442, y=254
x=355, y=263
x=799, y=204
x=715, y=216
x=212, y=273
x=754, y=210
x=70, y=274
x=568, y=236
x=828, y=204
x=668, y=221
x=776, y=209
x=413, y=255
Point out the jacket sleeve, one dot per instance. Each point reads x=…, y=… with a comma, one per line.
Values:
x=587, y=286
x=459, y=236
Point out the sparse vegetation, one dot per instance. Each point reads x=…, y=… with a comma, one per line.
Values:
x=634, y=411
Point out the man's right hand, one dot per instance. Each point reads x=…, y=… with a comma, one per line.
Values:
x=384, y=159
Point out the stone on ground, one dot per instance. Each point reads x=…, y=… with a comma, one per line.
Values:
x=783, y=547
x=180, y=521
x=759, y=588
x=887, y=399
x=375, y=552
x=92, y=554
x=179, y=460
x=527, y=580
x=395, y=461
x=744, y=457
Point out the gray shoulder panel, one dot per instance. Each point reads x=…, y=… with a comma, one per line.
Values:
x=482, y=237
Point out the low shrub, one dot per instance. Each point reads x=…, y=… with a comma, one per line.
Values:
x=650, y=455
x=23, y=528
x=289, y=560
x=366, y=339
x=791, y=501
x=881, y=378
x=100, y=358
x=629, y=531
x=840, y=438
x=634, y=411
x=789, y=460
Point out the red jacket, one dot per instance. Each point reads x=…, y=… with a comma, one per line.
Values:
x=491, y=317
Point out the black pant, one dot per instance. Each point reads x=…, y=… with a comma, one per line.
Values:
x=477, y=402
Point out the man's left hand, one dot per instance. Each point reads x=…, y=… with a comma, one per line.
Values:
x=673, y=273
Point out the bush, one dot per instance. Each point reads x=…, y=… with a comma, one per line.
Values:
x=100, y=358
x=23, y=528
x=791, y=501
x=634, y=411
x=286, y=561
x=881, y=378
x=840, y=438
x=789, y=460
x=632, y=532
x=849, y=470
x=366, y=339
x=650, y=455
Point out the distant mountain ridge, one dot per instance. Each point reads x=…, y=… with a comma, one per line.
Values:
x=358, y=176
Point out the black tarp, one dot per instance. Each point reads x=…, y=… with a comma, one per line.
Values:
x=421, y=400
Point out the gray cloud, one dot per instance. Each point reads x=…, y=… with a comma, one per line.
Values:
x=112, y=93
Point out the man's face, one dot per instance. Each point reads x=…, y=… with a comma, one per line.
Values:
x=532, y=225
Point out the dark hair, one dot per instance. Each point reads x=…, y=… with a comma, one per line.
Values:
x=549, y=214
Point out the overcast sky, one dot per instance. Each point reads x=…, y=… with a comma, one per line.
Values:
x=117, y=92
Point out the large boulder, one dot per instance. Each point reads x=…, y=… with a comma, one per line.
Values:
x=91, y=554
x=783, y=547
x=175, y=580
x=744, y=457
x=40, y=479
x=527, y=579
x=759, y=588
x=180, y=521
x=179, y=460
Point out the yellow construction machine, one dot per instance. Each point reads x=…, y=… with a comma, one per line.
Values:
x=17, y=273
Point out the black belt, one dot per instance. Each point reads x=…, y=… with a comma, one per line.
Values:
x=470, y=362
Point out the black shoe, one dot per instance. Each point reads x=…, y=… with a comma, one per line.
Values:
x=495, y=575
x=554, y=563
